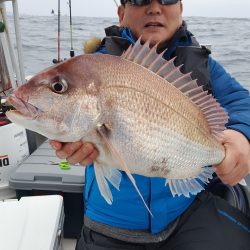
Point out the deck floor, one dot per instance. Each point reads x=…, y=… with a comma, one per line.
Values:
x=68, y=244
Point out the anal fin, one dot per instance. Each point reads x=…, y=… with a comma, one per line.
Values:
x=190, y=185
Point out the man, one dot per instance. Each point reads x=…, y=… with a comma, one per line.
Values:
x=180, y=223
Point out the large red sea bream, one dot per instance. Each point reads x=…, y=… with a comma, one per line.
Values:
x=144, y=116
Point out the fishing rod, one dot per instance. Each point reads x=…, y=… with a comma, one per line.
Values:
x=72, y=52
x=116, y=3
x=59, y=31
x=58, y=35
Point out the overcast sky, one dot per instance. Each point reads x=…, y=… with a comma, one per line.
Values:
x=107, y=8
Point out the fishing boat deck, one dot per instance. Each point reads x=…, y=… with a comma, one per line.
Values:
x=44, y=158
x=68, y=244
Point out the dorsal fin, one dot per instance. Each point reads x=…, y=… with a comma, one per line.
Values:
x=150, y=59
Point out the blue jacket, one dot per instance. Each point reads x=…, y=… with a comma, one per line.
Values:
x=127, y=210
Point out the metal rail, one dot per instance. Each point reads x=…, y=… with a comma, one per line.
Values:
x=15, y=67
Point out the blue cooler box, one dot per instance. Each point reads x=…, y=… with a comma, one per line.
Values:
x=40, y=174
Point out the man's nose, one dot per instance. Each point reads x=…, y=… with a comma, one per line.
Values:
x=154, y=8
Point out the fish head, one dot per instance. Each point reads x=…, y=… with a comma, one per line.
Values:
x=60, y=102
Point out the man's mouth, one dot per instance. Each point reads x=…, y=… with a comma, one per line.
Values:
x=153, y=24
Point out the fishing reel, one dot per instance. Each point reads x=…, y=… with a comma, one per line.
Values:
x=4, y=107
x=55, y=61
x=72, y=54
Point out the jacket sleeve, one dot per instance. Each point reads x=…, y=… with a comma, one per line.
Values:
x=232, y=96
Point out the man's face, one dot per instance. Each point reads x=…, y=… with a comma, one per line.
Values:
x=153, y=21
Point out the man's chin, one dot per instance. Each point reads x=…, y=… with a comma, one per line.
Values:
x=154, y=38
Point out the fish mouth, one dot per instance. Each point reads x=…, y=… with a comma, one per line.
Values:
x=154, y=24
x=23, y=108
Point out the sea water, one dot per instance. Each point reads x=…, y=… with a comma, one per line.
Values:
x=228, y=37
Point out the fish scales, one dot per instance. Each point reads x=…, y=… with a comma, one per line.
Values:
x=161, y=104
x=140, y=122
x=150, y=136
x=154, y=87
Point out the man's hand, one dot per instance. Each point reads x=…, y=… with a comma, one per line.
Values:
x=75, y=152
x=236, y=164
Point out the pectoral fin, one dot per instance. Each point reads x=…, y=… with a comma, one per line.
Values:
x=119, y=158
x=104, y=173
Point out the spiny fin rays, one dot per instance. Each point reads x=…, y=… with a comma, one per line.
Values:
x=150, y=59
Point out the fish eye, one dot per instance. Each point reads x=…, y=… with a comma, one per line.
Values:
x=59, y=86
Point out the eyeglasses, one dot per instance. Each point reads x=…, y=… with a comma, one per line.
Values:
x=145, y=2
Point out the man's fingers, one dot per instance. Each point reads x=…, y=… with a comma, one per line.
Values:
x=236, y=164
x=227, y=165
x=68, y=149
x=75, y=152
x=232, y=178
x=92, y=157
x=230, y=170
x=82, y=153
x=56, y=145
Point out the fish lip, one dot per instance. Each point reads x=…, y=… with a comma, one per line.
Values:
x=18, y=113
x=154, y=24
x=22, y=107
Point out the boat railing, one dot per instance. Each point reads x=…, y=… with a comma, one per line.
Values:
x=14, y=66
